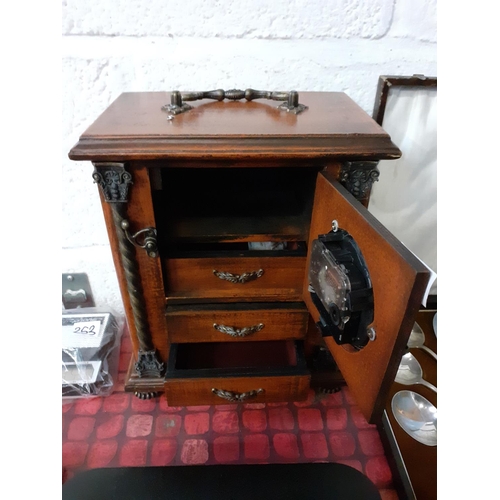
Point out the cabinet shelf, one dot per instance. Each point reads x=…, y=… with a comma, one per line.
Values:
x=236, y=229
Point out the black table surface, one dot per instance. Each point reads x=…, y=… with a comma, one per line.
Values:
x=229, y=482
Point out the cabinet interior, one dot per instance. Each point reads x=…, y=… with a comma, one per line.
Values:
x=254, y=204
x=180, y=249
x=213, y=355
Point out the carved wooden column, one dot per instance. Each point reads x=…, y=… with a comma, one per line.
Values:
x=114, y=182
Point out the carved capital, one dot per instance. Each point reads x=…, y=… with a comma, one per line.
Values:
x=359, y=176
x=113, y=181
x=148, y=364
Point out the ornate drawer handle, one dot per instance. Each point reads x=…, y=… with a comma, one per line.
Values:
x=239, y=278
x=178, y=99
x=236, y=397
x=238, y=332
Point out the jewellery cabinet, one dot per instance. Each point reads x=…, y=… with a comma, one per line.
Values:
x=212, y=209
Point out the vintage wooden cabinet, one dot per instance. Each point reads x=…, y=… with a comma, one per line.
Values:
x=211, y=211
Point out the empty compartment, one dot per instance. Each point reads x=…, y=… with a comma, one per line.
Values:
x=278, y=248
x=214, y=373
x=234, y=204
x=216, y=355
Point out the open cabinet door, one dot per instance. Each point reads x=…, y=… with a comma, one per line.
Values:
x=399, y=281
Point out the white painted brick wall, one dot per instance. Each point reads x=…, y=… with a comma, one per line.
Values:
x=113, y=46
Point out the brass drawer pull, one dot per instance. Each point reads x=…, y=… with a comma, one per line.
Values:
x=238, y=332
x=236, y=397
x=239, y=278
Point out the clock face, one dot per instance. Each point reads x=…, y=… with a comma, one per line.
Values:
x=328, y=279
x=341, y=289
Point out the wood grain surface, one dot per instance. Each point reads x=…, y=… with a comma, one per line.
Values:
x=198, y=391
x=192, y=278
x=196, y=324
x=399, y=280
x=135, y=127
x=140, y=215
x=276, y=367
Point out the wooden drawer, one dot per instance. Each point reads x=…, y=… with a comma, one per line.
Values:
x=237, y=322
x=235, y=278
x=222, y=372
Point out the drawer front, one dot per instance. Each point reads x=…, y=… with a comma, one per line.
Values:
x=224, y=390
x=232, y=278
x=222, y=372
x=237, y=323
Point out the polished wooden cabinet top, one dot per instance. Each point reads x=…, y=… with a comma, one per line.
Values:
x=135, y=127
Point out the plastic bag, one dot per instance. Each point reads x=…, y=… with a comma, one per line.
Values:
x=90, y=351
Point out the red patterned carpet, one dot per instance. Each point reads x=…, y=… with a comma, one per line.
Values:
x=121, y=430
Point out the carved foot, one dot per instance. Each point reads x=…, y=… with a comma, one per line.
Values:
x=146, y=395
x=326, y=390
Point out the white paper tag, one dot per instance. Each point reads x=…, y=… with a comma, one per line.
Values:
x=82, y=334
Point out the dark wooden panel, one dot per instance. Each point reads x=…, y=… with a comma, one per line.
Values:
x=222, y=358
x=399, y=280
x=228, y=204
x=239, y=229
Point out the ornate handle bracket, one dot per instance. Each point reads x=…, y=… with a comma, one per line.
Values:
x=239, y=278
x=238, y=332
x=236, y=397
x=145, y=238
x=179, y=105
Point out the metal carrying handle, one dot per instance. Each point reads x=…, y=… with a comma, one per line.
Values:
x=238, y=278
x=236, y=397
x=178, y=99
x=239, y=332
